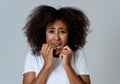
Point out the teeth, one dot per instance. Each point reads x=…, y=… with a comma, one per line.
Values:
x=58, y=45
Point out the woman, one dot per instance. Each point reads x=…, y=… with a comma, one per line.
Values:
x=57, y=38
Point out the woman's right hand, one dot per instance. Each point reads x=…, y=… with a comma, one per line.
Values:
x=47, y=53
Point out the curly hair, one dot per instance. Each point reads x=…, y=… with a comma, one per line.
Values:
x=75, y=20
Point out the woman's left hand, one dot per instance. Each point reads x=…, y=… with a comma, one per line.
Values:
x=65, y=56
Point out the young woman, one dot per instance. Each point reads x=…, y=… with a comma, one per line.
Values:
x=56, y=38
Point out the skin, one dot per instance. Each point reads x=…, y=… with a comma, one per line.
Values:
x=56, y=31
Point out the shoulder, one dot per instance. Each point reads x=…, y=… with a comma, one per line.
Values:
x=79, y=55
x=81, y=65
x=30, y=54
x=31, y=57
x=79, y=51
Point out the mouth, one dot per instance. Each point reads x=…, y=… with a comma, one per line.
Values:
x=58, y=45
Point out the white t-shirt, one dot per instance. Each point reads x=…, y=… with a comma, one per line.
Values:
x=58, y=75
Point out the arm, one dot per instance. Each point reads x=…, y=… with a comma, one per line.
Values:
x=43, y=75
x=47, y=53
x=74, y=78
x=29, y=78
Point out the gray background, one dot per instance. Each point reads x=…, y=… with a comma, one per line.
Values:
x=102, y=48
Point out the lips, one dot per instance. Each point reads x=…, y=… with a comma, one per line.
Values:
x=58, y=45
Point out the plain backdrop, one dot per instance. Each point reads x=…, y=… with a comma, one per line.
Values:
x=103, y=42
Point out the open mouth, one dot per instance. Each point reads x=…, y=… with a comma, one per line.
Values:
x=58, y=45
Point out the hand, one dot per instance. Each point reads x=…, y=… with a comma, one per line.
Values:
x=47, y=53
x=65, y=56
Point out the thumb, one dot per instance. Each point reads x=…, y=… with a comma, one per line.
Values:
x=60, y=57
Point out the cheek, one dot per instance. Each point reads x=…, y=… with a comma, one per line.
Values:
x=48, y=38
x=65, y=39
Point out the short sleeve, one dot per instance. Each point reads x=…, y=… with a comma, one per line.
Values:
x=82, y=66
x=29, y=65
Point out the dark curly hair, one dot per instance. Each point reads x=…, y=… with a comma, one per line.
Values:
x=75, y=20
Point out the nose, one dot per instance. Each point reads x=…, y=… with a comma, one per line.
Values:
x=56, y=36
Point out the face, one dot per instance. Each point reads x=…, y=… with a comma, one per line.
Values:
x=57, y=35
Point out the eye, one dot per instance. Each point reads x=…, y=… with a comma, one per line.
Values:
x=51, y=31
x=62, y=31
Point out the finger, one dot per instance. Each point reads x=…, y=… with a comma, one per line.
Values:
x=66, y=52
x=45, y=48
x=67, y=48
x=49, y=48
x=42, y=48
x=61, y=56
x=53, y=46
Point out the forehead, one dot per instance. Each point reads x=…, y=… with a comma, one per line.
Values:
x=57, y=24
